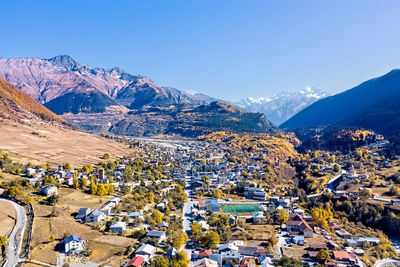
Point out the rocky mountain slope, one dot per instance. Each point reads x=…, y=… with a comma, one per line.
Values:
x=375, y=97
x=111, y=100
x=49, y=79
x=373, y=105
x=184, y=120
x=279, y=108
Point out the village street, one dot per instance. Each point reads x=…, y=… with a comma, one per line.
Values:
x=16, y=236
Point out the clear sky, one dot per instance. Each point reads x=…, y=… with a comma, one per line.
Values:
x=227, y=49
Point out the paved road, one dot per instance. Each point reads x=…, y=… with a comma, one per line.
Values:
x=187, y=212
x=16, y=236
x=329, y=185
x=387, y=262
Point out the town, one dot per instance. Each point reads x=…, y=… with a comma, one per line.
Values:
x=222, y=200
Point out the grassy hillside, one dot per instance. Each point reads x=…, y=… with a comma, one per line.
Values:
x=15, y=103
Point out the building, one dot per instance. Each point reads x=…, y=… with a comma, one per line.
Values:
x=210, y=205
x=146, y=251
x=95, y=216
x=160, y=236
x=82, y=213
x=137, y=261
x=49, y=190
x=73, y=243
x=205, y=263
x=118, y=227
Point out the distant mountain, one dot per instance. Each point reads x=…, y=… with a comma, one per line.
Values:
x=49, y=79
x=184, y=120
x=18, y=105
x=111, y=100
x=278, y=108
x=374, y=104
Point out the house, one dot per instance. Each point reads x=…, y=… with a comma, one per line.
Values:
x=342, y=256
x=258, y=218
x=82, y=213
x=205, y=263
x=73, y=243
x=251, y=251
x=146, y=251
x=210, y=205
x=205, y=253
x=135, y=215
x=296, y=223
x=161, y=206
x=95, y=216
x=137, y=261
x=118, y=227
x=49, y=190
x=160, y=236
x=232, y=219
x=163, y=225
x=343, y=233
x=230, y=247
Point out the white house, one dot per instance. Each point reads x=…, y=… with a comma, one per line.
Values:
x=146, y=251
x=49, y=190
x=95, y=216
x=73, y=243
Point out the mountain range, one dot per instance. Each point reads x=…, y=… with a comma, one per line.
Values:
x=112, y=100
x=374, y=104
x=280, y=107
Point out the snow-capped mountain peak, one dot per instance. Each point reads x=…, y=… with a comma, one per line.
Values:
x=280, y=107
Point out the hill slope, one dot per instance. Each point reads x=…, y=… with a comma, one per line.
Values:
x=373, y=104
x=16, y=104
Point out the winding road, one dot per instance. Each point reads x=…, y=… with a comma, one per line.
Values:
x=16, y=236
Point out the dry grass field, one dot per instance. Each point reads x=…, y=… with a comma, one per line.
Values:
x=73, y=200
x=7, y=217
x=104, y=248
x=40, y=143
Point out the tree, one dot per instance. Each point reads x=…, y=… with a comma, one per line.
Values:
x=101, y=190
x=3, y=240
x=53, y=199
x=87, y=168
x=12, y=191
x=156, y=216
x=323, y=254
x=75, y=181
x=160, y=262
x=321, y=216
x=210, y=239
x=179, y=239
x=84, y=182
x=196, y=231
x=67, y=167
x=336, y=168
x=150, y=197
x=285, y=261
x=282, y=216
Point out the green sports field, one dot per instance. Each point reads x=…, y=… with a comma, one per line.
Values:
x=241, y=209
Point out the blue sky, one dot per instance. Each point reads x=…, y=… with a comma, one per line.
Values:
x=227, y=49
